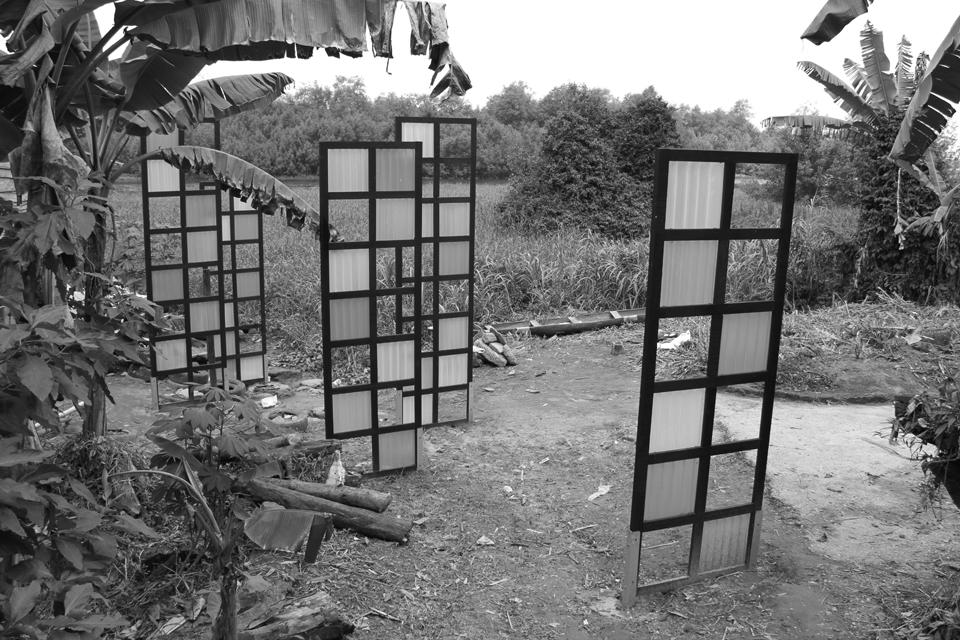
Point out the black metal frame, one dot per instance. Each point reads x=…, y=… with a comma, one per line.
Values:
x=717, y=311
x=435, y=162
x=403, y=285
x=216, y=339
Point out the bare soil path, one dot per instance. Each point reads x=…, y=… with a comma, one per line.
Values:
x=843, y=533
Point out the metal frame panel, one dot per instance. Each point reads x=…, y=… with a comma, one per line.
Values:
x=450, y=241
x=205, y=239
x=351, y=290
x=672, y=477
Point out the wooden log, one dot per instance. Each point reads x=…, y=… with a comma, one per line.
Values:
x=374, y=525
x=363, y=498
x=315, y=615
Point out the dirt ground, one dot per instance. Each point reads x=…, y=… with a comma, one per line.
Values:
x=845, y=541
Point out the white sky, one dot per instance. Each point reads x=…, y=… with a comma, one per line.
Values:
x=705, y=52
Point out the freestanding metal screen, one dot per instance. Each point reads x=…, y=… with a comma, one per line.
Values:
x=204, y=266
x=449, y=196
x=695, y=513
x=371, y=332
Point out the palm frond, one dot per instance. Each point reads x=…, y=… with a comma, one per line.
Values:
x=934, y=102
x=207, y=100
x=858, y=78
x=876, y=67
x=903, y=74
x=840, y=91
x=247, y=182
x=832, y=18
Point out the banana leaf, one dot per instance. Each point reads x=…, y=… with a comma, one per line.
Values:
x=210, y=100
x=876, y=68
x=841, y=92
x=254, y=30
x=858, y=78
x=153, y=77
x=248, y=182
x=904, y=72
x=833, y=17
x=814, y=123
x=934, y=102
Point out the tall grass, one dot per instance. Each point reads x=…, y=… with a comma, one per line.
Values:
x=520, y=276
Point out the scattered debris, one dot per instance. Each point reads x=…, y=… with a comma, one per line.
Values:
x=484, y=541
x=269, y=401
x=492, y=348
x=675, y=342
x=602, y=490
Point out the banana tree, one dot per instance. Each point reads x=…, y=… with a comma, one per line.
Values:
x=934, y=94
x=67, y=110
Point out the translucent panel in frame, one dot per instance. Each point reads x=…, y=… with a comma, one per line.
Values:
x=167, y=284
x=676, y=421
x=453, y=369
x=347, y=170
x=202, y=246
x=201, y=211
x=671, y=489
x=426, y=372
x=246, y=226
x=251, y=368
x=352, y=412
x=418, y=132
x=248, y=284
x=454, y=333
x=744, y=342
x=241, y=205
x=204, y=316
x=349, y=318
x=724, y=543
x=454, y=219
x=396, y=170
x=396, y=219
x=689, y=272
x=349, y=269
x=171, y=354
x=454, y=259
x=426, y=220
x=397, y=450
x=694, y=195
x=395, y=361
x=160, y=175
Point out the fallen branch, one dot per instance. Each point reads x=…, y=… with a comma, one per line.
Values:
x=354, y=496
x=374, y=525
x=315, y=612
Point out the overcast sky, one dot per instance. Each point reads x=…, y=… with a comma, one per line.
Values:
x=705, y=52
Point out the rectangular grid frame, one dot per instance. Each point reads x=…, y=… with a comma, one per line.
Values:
x=439, y=211
x=227, y=356
x=394, y=447
x=725, y=539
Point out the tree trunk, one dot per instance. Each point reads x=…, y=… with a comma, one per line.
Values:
x=355, y=496
x=95, y=416
x=225, y=626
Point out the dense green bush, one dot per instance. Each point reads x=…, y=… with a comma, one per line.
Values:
x=917, y=270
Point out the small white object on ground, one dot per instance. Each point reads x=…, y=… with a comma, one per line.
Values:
x=337, y=474
x=676, y=342
x=269, y=401
x=602, y=490
x=484, y=541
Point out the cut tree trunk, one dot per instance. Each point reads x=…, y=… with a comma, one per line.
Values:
x=374, y=525
x=363, y=498
x=315, y=616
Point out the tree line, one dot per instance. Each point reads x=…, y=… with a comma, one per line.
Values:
x=284, y=137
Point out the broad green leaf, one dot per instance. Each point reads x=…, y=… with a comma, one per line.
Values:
x=81, y=490
x=83, y=221
x=14, y=66
x=135, y=525
x=832, y=18
x=52, y=315
x=840, y=91
x=77, y=598
x=71, y=551
x=264, y=192
x=11, y=336
x=153, y=76
x=104, y=545
x=253, y=30
x=213, y=99
x=934, y=102
x=35, y=375
x=12, y=492
x=876, y=67
x=22, y=600
x=10, y=522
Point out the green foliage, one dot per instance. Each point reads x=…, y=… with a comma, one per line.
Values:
x=916, y=270
x=575, y=181
x=514, y=105
x=826, y=171
x=57, y=541
x=718, y=129
x=644, y=124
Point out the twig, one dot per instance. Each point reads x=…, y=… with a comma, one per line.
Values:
x=589, y=526
x=383, y=614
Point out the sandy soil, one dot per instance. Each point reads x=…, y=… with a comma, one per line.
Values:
x=843, y=533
